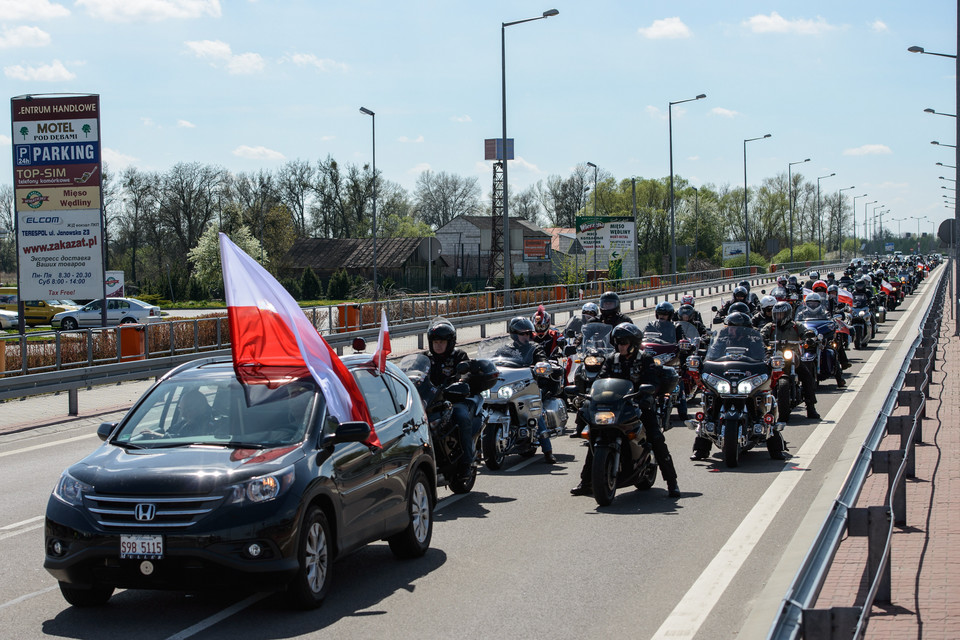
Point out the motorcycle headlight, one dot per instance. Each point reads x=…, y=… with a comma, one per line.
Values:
x=485, y=393
x=262, y=488
x=723, y=387
x=70, y=490
x=777, y=362
x=720, y=384
x=506, y=391
x=658, y=360
x=593, y=361
x=788, y=355
x=747, y=386
x=604, y=417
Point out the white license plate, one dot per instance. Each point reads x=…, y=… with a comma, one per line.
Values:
x=141, y=547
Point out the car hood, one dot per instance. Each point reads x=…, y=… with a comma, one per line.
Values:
x=195, y=469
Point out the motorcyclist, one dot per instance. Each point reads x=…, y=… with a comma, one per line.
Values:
x=610, y=310
x=762, y=317
x=813, y=307
x=686, y=313
x=846, y=280
x=784, y=329
x=752, y=298
x=630, y=363
x=831, y=278
x=834, y=306
x=820, y=287
x=740, y=294
x=689, y=301
x=444, y=360
x=521, y=329
x=548, y=338
x=812, y=278
x=589, y=312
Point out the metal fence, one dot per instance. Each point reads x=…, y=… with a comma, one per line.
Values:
x=798, y=615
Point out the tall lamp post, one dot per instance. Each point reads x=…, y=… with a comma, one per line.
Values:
x=746, y=218
x=854, y=227
x=507, y=284
x=790, y=199
x=595, y=239
x=866, y=236
x=918, y=219
x=873, y=221
x=819, y=219
x=840, y=218
x=373, y=127
x=696, y=217
x=673, y=227
x=898, y=221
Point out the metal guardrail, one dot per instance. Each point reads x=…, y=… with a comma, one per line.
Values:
x=798, y=616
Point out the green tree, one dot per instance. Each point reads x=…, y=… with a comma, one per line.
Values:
x=310, y=286
x=339, y=286
x=205, y=257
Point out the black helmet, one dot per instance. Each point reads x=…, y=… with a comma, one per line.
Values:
x=782, y=313
x=685, y=312
x=833, y=290
x=831, y=276
x=520, y=324
x=442, y=329
x=664, y=308
x=739, y=307
x=745, y=284
x=860, y=285
x=738, y=319
x=627, y=333
x=740, y=294
x=792, y=279
x=609, y=304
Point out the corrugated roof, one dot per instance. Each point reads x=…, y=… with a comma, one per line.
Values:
x=484, y=222
x=351, y=253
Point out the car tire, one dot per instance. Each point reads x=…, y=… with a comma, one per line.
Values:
x=315, y=557
x=69, y=324
x=128, y=320
x=92, y=596
x=414, y=540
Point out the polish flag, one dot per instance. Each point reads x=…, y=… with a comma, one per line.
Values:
x=271, y=336
x=383, y=343
x=886, y=287
x=806, y=292
x=844, y=296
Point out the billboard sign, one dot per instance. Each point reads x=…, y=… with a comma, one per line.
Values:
x=734, y=249
x=493, y=149
x=536, y=249
x=888, y=247
x=56, y=177
x=611, y=241
x=114, y=284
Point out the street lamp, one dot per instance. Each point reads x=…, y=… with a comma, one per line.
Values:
x=898, y=221
x=943, y=144
x=746, y=218
x=595, y=239
x=948, y=166
x=673, y=228
x=866, y=236
x=916, y=49
x=873, y=220
x=854, y=226
x=507, y=285
x=939, y=113
x=918, y=219
x=840, y=218
x=950, y=179
x=373, y=127
x=790, y=199
x=819, y=218
x=696, y=217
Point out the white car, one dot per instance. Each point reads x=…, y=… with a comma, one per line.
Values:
x=119, y=311
x=8, y=319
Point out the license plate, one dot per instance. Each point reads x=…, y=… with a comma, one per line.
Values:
x=141, y=547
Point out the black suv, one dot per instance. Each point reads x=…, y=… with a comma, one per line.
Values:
x=210, y=483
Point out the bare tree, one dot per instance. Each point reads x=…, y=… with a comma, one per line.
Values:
x=441, y=197
x=526, y=205
x=294, y=185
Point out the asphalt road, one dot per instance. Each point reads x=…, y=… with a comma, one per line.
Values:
x=518, y=557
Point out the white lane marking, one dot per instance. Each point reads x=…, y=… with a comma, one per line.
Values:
x=691, y=612
x=206, y=623
x=27, y=597
x=525, y=463
x=47, y=444
x=21, y=523
x=10, y=534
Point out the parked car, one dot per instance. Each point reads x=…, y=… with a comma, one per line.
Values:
x=119, y=311
x=35, y=312
x=210, y=483
x=8, y=319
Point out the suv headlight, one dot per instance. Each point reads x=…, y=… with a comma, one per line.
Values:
x=262, y=488
x=70, y=490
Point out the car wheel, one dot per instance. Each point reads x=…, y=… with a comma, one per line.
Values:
x=93, y=596
x=315, y=556
x=414, y=541
x=69, y=324
x=128, y=320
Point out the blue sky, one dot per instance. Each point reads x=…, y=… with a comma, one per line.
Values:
x=249, y=84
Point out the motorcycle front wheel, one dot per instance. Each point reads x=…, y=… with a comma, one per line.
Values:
x=494, y=445
x=464, y=484
x=604, y=475
x=731, y=442
x=647, y=477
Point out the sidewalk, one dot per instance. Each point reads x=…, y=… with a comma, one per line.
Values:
x=925, y=563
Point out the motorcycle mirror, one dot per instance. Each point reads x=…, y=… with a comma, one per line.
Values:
x=569, y=350
x=713, y=308
x=359, y=344
x=570, y=333
x=570, y=390
x=463, y=367
x=763, y=291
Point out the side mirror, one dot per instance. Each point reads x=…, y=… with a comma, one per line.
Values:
x=569, y=350
x=457, y=392
x=713, y=308
x=348, y=432
x=463, y=367
x=359, y=345
x=763, y=291
x=105, y=429
x=570, y=333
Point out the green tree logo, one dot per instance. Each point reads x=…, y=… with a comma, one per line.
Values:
x=86, y=130
x=24, y=131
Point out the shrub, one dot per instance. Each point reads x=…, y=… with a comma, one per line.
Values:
x=339, y=286
x=310, y=286
x=294, y=288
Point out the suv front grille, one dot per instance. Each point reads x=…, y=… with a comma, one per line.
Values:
x=155, y=512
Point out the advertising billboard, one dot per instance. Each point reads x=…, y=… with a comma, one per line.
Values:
x=56, y=176
x=734, y=249
x=611, y=241
x=536, y=249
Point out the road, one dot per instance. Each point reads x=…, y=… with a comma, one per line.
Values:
x=518, y=557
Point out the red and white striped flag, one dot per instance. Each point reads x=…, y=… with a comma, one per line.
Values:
x=269, y=333
x=383, y=343
x=886, y=287
x=844, y=296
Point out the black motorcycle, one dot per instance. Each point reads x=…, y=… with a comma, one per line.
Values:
x=621, y=454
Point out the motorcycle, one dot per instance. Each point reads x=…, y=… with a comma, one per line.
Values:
x=862, y=321
x=588, y=359
x=740, y=410
x=660, y=342
x=621, y=454
x=687, y=387
x=524, y=391
x=438, y=403
x=822, y=348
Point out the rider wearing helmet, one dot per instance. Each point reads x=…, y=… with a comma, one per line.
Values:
x=764, y=316
x=752, y=298
x=610, y=310
x=831, y=278
x=588, y=313
x=812, y=278
x=813, y=301
x=834, y=306
x=820, y=287
x=740, y=294
x=629, y=362
x=784, y=329
x=688, y=300
x=522, y=330
x=549, y=339
x=686, y=313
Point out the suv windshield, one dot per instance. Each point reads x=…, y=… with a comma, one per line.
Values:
x=213, y=408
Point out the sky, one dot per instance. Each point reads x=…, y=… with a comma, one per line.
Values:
x=251, y=84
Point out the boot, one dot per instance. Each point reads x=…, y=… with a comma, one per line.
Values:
x=673, y=489
x=812, y=412
x=582, y=489
x=548, y=457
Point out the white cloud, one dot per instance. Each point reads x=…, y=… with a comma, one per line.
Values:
x=655, y=112
x=257, y=153
x=186, y=124
x=461, y=118
x=420, y=168
x=130, y=10
x=310, y=60
x=327, y=138
x=117, y=160
x=406, y=139
x=147, y=122
x=879, y=26
x=4, y=140
x=726, y=113
x=775, y=23
x=16, y=10
x=23, y=37
x=53, y=72
x=219, y=53
x=666, y=28
x=693, y=158
x=868, y=150
x=528, y=166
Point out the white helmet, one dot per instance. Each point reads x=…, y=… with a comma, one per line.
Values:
x=767, y=302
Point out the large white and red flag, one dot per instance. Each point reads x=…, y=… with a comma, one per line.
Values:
x=269, y=333
x=886, y=287
x=383, y=343
x=844, y=296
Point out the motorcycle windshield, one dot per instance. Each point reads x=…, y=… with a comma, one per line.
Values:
x=660, y=332
x=417, y=367
x=573, y=327
x=596, y=337
x=736, y=343
x=685, y=330
x=805, y=313
x=505, y=352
